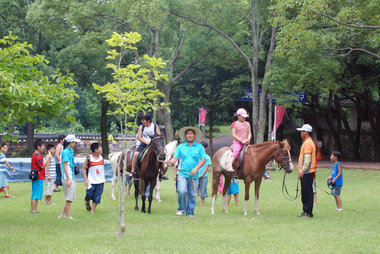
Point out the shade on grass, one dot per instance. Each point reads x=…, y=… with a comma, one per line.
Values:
x=277, y=230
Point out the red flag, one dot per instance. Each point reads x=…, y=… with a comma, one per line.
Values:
x=202, y=116
x=280, y=112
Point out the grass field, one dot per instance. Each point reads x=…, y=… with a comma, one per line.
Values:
x=277, y=230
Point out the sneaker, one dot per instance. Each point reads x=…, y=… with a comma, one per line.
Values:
x=339, y=209
x=49, y=203
x=305, y=215
x=164, y=177
x=230, y=169
x=36, y=213
x=9, y=196
x=179, y=213
x=88, y=207
x=71, y=218
x=56, y=190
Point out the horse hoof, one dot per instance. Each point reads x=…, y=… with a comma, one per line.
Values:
x=149, y=212
x=136, y=208
x=225, y=210
x=159, y=200
x=113, y=198
x=245, y=213
x=212, y=212
x=143, y=211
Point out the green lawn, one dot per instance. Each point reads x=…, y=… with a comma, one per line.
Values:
x=277, y=230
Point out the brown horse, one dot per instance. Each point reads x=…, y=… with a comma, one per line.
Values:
x=149, y=169
x=255, y=159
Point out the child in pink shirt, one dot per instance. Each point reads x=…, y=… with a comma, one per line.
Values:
x=241, y=133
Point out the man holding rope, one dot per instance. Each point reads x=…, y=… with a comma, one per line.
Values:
x=306, y=168
x=192, y=156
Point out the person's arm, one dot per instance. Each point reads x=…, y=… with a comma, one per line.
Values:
x=10, y=166
x=158, y=130
x=84, y=167
x=66, y=169
x=338, y=175
x=172, y=163
x=47, y=168
x=204, y=172
x=197, y=167
x=58, y=154
x=248, y=140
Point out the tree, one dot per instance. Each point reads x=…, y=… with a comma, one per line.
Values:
x=26, y=92
x=131, y=92
x=247, y=41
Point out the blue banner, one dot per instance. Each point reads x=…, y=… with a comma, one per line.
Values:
x=299, y=96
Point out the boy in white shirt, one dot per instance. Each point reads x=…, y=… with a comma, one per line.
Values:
x=93, y=173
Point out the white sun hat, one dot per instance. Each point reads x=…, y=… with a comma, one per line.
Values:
x=71, y=138
x=241, y=112
x=306, y=127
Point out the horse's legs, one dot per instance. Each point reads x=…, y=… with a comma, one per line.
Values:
x=227, y=183
x=114, y=179
x=247, y=184
x=257, y=189
x=150, y=198
x=144, y=185
x=157, y=190
x=137, y=192
x=215, y=182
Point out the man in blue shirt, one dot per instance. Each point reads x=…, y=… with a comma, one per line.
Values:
x=192, y=157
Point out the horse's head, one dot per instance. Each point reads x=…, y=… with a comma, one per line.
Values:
x=283, y=157
x=170, y=149
x=157, y=145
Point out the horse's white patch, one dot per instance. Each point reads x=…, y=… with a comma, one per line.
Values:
x=226, y=159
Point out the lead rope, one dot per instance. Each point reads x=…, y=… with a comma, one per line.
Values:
x=285, y=190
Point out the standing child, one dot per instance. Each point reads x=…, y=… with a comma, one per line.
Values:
x=241, y=133
x=68, y=175
x=50, y=174
x=203, y=175
x=3, y=170
x=336, y=178
x=94, y=178
x=38, y=164
x=233, y=190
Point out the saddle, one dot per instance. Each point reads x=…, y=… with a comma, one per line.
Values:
x=140, y=157
x=238, y=163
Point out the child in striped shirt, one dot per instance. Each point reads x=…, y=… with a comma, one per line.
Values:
x=49, y=174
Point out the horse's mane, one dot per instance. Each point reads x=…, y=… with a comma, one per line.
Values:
x=284, y=144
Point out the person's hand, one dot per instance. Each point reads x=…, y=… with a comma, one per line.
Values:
x=69, y=182
x=200, y=176
x=193, y=172
x=300, y=174
x=175, y=177
x=333, y=181
x=49, y=178
x=86, y=183
x=14, y=170
x=147, y=142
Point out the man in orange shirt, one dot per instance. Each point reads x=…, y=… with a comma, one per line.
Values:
x=306, y=168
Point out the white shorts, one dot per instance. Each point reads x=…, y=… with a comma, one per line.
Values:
x=49, y=187
x=70, y=191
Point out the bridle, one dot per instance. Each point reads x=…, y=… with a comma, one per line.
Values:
x=286, y=164
x=157, y=148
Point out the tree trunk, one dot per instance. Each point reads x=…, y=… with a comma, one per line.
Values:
x=103, y=127
x=30, y=138
x=165, y=117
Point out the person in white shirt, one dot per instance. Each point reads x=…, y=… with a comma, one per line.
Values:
x=93, y=173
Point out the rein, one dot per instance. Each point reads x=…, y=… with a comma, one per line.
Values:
x=285, y=190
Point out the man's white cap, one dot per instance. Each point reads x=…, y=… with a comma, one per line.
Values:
x=71, y=138
x=305, y=127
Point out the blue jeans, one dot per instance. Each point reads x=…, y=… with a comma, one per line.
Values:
x=203, y=186
x=185, y=187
